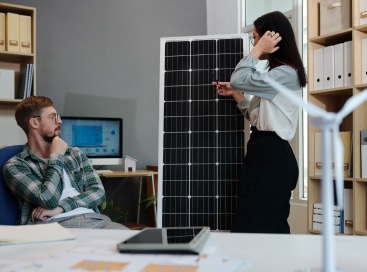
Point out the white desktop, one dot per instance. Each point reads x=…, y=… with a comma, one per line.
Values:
x=246, y=252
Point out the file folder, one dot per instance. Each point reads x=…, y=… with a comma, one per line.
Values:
x=318, y=68
x=329, y=67
x=346, y=139
x=338, y=65
x=25, y=34
x=2, y=31
x=364, y=61
x=348, y=63
x=348, y=211
x=335, y=15
x=12, y=32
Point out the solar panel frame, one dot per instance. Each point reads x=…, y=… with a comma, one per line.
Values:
x=201, y=135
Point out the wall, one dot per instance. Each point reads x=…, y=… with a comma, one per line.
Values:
x=101, y=58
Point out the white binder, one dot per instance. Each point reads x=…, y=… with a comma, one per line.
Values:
x=348, y=63
x=318, y=69
x=339, y=65
x=362, y=12
x=364, y=153
x=329, y=67
x=364, y=60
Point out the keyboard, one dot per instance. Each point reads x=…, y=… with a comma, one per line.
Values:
x=103, y=171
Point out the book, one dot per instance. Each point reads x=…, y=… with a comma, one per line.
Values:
x=25, y=234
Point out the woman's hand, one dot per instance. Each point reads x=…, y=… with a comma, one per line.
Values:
x=223, y=88
x=267, y=44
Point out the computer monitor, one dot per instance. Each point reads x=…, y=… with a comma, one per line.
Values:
x=100, y=138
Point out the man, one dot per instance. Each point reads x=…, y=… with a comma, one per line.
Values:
x=53, y=182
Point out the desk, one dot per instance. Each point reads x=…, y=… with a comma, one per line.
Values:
x=264, y=252
x=139, y=174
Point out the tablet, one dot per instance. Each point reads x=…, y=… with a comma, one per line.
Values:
x=171, y=240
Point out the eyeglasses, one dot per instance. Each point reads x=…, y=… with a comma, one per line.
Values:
x=252, y=38
x=55, y=116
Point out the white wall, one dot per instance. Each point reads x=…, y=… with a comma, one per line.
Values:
x=223, y=17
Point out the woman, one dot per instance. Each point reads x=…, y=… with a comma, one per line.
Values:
x=270, y=170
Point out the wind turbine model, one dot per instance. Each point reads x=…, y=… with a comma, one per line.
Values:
x=328, y=123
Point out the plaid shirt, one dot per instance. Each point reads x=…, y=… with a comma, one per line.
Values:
x=36, y=183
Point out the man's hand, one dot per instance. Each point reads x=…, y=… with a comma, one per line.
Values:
x=40, y=214
x=58, y=146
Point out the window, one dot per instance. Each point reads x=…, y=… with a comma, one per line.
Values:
x=296, y=11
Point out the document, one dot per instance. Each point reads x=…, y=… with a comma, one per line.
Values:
x=25, y=34
x=12, y=32
x=2, y=31
x=25, y=234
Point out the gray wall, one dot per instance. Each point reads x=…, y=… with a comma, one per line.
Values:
x=101, y=58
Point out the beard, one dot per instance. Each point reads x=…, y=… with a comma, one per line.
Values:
x=48, y=139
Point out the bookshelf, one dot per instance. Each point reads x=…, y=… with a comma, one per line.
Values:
x=17, y=61
x=333, y=99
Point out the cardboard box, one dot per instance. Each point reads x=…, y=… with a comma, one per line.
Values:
x=335, y=15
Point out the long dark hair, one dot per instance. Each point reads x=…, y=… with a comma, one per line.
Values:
x=288, y=52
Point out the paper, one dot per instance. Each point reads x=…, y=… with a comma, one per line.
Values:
x=24, y=234
x=102, y=255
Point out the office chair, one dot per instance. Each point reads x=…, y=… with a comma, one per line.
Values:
x=9, y=209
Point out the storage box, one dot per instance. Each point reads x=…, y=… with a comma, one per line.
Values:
x=362, y=12
x=335, y=15
x=6, y=84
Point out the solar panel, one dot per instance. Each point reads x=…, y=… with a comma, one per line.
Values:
x=201, y=134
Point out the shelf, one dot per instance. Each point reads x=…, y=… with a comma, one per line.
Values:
x=332, y=100
x=17, y=61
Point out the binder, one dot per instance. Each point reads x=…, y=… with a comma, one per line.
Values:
x=364, y=153
x=2, y=31
x=346, y=138
x=25, y=34
x=364, y=60
x=348, y=211
x=7, y=84
x=329, y=67
x=12, y=32
x=318, y=68
x=335, y=15
x=338, y=65
x=362, y=12
x=348, y=63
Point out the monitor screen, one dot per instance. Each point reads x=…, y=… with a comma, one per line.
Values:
x=100, y=138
